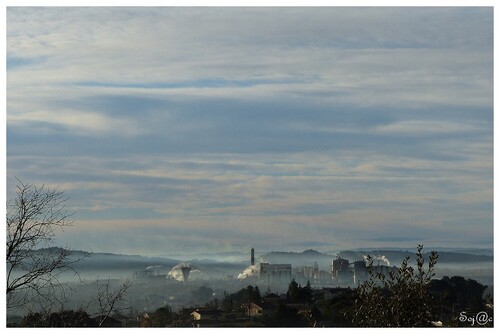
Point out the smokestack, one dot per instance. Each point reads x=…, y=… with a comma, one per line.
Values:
x=252, y=257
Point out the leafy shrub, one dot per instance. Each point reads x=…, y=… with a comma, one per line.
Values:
x=400, y=298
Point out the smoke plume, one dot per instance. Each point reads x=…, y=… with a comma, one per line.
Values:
x=176, y=271
x=248, y=272
x=383, y=258
x=379, y=258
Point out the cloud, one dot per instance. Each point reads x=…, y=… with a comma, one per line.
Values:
x=78, y=121
x=417, y=128
x=347, y=50
x=289, y=126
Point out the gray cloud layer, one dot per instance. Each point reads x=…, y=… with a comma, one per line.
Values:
x=339, y=126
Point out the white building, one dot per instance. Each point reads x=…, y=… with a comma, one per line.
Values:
x=275, y=273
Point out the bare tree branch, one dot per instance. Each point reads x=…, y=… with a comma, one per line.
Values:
x=33, y=266
x=108, y=300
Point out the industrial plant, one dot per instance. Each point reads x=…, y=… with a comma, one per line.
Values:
x=355, y=273
x=273, y=275
x=341, y=273
x=180, y=272
x=209, y=292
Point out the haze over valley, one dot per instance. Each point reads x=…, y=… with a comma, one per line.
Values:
x=155, y=283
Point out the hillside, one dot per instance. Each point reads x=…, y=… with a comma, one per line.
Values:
x=385, y=256
x=397, y=256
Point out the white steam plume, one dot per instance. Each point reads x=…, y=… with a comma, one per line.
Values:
x=379, y=258
x=384, y=259
x=248, y=272
x=176, y=271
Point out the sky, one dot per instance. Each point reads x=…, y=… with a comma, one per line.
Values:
x=211, y=130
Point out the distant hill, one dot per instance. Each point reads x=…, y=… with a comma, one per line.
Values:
x=119, y=261
x=394, y=256
x=307, y=257
x=397, y=256
x=121, y=265
x=110, y=261
x=473, y=251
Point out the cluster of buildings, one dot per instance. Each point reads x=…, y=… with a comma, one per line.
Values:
x=275, y=275
x=345, y=273
x=342, y=273
x=312, y=274
x=248, y=313
x=151, y=272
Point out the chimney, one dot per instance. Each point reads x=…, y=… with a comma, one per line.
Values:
x=252, y=257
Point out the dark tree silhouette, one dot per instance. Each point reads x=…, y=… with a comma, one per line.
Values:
x=162, y=317
x=457, y=294
x=70, y=318
x=108, y=300
x=298, y=293
x=401, y=299
x=32, y=272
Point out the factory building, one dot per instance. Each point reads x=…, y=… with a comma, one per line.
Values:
x=341, y=273
x=339, y=264
x=312, y=274
x=385, y=270
x=360, y=272
x=355, y=273
x=275, y=274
